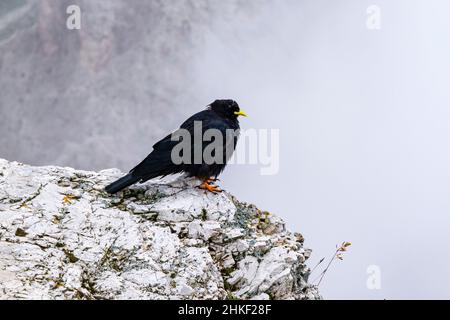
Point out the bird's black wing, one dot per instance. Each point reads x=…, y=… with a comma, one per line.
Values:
x=159, y=162
x=212, y=167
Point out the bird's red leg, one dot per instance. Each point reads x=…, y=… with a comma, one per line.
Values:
x=207, y=185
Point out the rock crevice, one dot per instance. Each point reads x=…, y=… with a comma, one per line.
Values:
x=63, y=237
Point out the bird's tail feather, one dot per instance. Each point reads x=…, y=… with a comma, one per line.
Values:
x=122, y=183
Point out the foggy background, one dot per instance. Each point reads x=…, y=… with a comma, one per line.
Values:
x=363, y=114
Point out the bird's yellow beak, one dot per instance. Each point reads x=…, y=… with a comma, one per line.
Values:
x=241, y=113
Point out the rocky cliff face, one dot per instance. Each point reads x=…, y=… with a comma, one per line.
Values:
x=63, y=237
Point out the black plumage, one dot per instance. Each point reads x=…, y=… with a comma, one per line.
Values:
x=221, y=115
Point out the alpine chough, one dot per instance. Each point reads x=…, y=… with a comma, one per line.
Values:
x=222, y=116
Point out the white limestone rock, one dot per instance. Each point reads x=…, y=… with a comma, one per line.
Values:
x=63, y=237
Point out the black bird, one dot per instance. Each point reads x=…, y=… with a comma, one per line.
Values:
x=221, y=115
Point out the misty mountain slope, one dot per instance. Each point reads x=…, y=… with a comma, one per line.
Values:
x=115, y=86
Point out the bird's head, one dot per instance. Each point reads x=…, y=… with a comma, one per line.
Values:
x=227, y=108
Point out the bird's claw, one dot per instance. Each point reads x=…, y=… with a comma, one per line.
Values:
x=207, y=186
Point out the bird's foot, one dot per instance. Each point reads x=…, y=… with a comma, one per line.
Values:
x=207, y=186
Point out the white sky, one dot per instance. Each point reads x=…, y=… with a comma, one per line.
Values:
x=364, y=123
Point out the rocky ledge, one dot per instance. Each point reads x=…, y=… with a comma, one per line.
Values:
x=63, y=237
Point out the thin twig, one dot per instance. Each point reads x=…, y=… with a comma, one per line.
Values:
x=338, y=254
x=317, y=265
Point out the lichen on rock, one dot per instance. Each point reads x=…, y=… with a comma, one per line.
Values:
x=63, y=237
